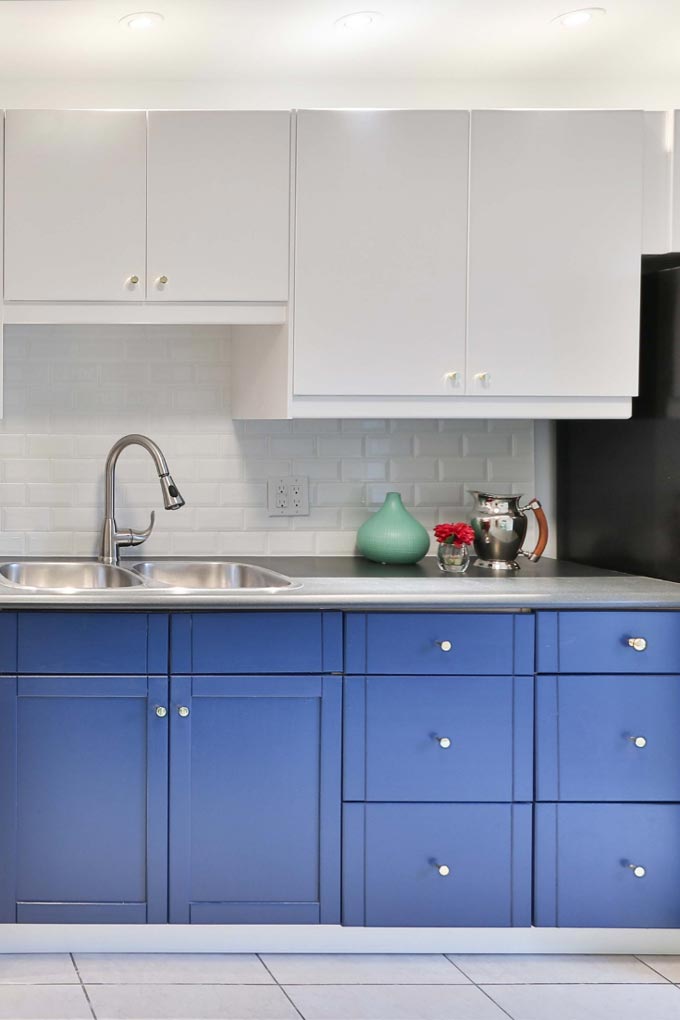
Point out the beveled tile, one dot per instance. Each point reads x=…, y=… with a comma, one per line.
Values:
x=37, y=969
x=669, y=966
x=588, y=1002
x=359, y=969
x=43, y=1002
x=554, y=969
x=393, y=1002
x=172, y=968
x=190, y=1002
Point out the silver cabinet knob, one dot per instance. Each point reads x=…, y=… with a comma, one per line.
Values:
x=161, y=711
x=639, y=741
x=483, y=377
x=443, y=869
x=444, y=742
x=183, y=711
x=161, y=281
x=452, y=377
x=133, y=280
x=445, y=646
x=638, y=644
x=638, y=870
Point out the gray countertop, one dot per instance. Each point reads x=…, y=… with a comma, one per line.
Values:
x=352, y=583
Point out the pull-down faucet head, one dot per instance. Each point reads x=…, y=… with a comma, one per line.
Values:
x=172, y=497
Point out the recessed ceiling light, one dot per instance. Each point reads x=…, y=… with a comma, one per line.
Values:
x=142, y=20
x=358, y=20
x=577, y=19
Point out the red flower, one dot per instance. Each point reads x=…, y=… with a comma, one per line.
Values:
x=457, y=534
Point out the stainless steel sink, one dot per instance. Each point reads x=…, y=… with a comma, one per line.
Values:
x=198, y=575
x=55, y=575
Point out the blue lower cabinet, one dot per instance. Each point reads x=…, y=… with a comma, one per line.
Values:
x=608, y=738
x=453, y=738
x=607, y=865
x=255, y=799
x=83, y=799
x=462, y=865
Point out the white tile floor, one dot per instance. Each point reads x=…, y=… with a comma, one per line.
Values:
x=294, y=987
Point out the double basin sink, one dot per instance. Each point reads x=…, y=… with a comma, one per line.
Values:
x=187, y=575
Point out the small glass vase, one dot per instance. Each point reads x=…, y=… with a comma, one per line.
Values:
x=453, y=559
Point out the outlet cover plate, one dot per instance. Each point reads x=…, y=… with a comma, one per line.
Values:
x=288, y=496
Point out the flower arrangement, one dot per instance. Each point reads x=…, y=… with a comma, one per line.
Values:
x=453, y=555
x=457, y=534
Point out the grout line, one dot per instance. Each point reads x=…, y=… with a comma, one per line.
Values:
x=280, y=986
x=82, y=985
x=491, y=999
x=459, y=969
x=653, y=969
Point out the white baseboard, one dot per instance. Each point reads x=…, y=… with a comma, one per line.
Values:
x=126, y=938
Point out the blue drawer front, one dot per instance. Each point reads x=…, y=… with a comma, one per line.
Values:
x=584, y=854
x=257, y=642
x=438, y=738
x=94, y=642
x=392, y=853
x=598, y=642
x=436, y=644
x=586, y=732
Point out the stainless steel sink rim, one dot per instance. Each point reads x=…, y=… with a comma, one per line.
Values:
x=68, y=576
x=218, y=576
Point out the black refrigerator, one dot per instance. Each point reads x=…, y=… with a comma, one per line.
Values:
x=618, y=482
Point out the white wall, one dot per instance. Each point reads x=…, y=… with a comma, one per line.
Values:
x=71, y=391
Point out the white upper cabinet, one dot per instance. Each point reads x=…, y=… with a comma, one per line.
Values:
x=218, y=206
x=380, y=253
x=555, y=245
x=75, y=202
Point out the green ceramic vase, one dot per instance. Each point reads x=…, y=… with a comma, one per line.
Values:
x=392, y=535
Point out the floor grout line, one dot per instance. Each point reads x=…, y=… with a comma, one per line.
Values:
x=459, y=969
x=491, y=999
x=82, y=985
x=278, y=985
x=653, y=969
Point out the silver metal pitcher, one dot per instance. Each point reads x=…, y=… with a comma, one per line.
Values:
x=500, y=526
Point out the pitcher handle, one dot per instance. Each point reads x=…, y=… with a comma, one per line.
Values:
x=543, y=531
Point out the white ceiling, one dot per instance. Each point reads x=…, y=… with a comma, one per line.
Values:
x=424, y=39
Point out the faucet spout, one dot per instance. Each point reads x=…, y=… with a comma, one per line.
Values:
x=112, y=538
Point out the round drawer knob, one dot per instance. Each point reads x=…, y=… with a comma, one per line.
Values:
x=161, y=711
x=483, y=377
x=443, y=870
x=133, y=280
x=452, y=377
x=445, y=646
x=183, y=711
x=638, y=870
x=444, y=742
x=161, y=281
x=639, y=741
x=638, y=644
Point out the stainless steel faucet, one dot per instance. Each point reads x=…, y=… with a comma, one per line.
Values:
x=112, y=538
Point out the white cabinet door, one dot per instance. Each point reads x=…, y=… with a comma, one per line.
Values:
x=75, y=205
x=381, y=242
x=218, y=206
x=555, y=245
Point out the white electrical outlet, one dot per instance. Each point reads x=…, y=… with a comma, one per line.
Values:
x=288, y=496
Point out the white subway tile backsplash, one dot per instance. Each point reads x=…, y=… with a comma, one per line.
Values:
x=70, y=392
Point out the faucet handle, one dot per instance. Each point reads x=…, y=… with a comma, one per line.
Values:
x=137, y=537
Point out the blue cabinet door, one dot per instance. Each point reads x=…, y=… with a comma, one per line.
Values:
x=83, y=802
x=454, y=738
x=608, y=738
x=458, y=865
x=607, y=866
x=255, y=799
